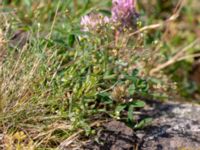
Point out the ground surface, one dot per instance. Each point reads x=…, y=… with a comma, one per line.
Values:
x=175, y=126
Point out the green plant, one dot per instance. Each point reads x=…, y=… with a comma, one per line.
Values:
x=63, y=79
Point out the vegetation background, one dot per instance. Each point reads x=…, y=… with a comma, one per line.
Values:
x=57, y=82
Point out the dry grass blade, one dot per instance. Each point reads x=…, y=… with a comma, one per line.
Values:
x=155, y=26
x=178, y=57
x=162, y=24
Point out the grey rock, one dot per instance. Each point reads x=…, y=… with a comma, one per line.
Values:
x=114, y=135
x=175, y=126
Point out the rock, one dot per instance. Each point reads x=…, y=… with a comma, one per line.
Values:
x=175, y=126
x=115, y=135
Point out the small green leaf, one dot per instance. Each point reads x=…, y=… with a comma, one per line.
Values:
x=143, y=123
x=119, y=109
x=27, y=2
x=130, y=113
x=105, y=12
x=71, y=40
x=104, y=98
x=131, y=78
x=135, y=72
x=131, y=89
x=103, y=95
x=138, y=104
x=143, y=85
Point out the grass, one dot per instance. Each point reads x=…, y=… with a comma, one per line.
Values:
x=64, y=81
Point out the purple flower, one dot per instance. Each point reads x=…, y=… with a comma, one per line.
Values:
x=123, y=11
x=92, y=21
